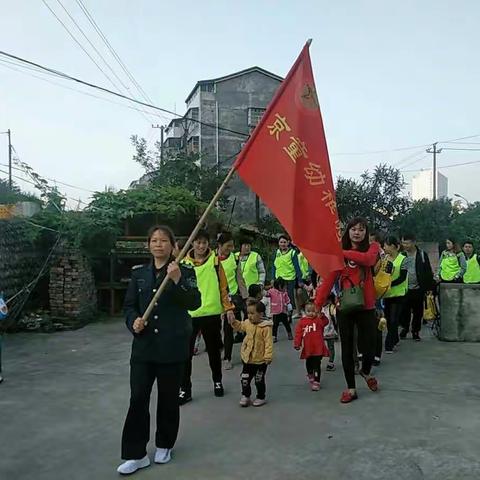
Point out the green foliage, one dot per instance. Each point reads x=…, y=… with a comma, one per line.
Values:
x=179, y=169
x=13, y=195
x=96, y=228
x=377, y=196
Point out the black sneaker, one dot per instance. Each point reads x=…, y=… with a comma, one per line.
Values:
x=403, y=333
x=416, y=337
x=376, y=363
x=184, y=397
x=218, y=389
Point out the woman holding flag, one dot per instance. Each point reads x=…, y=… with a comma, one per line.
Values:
x=357, y=304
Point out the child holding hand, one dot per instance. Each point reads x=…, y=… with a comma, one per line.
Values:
x=256, y=351
x=309, y=334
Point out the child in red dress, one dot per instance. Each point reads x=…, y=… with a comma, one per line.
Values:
x=309, y=333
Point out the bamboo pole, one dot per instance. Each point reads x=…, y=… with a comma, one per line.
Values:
x=185, y=248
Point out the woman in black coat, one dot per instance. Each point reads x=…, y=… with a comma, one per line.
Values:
x=159, y=351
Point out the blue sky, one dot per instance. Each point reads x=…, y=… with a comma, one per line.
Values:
x=388, y=74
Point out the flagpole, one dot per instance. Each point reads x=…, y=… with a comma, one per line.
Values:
x=185, y=248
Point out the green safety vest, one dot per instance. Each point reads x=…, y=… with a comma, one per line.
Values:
x=284, y=265
x=402, y=289
x=450, y=266
x=472, y=274
x=209, y=286
x=304, y=266
x=230, y=267
x=249, y=269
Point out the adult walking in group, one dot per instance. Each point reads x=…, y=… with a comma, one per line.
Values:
x=453, y=265
x=159, y=350
x=357, y=304
x=393, y=299
x=420, y=281
x=213, y=286
x=251, y=264
x=237, y=290
x=472, y=275
x=286, y=266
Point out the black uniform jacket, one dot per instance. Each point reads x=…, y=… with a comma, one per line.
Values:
x=166, y=338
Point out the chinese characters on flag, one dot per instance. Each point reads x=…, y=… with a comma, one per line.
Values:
x=286, y=164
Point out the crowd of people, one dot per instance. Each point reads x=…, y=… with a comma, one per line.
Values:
x=224, y=295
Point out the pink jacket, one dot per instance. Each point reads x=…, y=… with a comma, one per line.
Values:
x=278, y=301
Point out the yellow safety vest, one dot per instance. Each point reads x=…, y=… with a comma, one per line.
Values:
x=230, y=267
x=472, y=275
x=450, y=266
x=304, y=266
x=249, y=269
x=402, y=289
x=284, y=265
x=209, y=286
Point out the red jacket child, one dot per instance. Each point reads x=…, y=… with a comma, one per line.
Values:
x=309, y=331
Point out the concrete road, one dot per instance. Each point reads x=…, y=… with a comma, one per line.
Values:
x=65, y=396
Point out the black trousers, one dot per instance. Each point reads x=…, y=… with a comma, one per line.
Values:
x=211, y=328
x=394, y=308
x=136, y=431
x=314, y=366
x=281, y=318
x=252, y=371
x=228, y=336
x=366, y=323
x=413, y=310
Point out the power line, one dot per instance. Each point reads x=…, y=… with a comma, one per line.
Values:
x=83, y=48
x=112, y=50
x=125, y=97
x=452, y=165
x=462, y=149
x=51, y=179
x=73, y=89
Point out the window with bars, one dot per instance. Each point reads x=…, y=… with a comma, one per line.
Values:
x=254, y=116
x=193, y=145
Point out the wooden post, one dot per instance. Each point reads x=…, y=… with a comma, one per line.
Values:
x=185, y=248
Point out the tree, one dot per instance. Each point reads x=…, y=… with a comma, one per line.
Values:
x=178, y=169
x=14, y=194
x=377, y=196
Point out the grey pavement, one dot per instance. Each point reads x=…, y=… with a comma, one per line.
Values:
x=65, y=397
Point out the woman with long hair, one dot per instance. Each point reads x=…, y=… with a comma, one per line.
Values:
x=357, y=304
x=453, y=265
x=161, y=346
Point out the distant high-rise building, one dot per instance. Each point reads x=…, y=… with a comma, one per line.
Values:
x=422, y=186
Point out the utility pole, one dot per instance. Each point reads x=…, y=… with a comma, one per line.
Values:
x=162, y=128
x=9, y=159
x=434, y=150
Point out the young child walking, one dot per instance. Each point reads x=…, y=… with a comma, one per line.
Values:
x=280, y=306
x=330, y=332
x=309, y=334
x=256, y=352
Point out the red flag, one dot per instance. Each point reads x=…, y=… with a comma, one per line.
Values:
x=285, y=162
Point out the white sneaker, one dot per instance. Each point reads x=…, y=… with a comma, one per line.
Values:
x=258, y=402
x=1, y=379
x=131, y=466
x=163, y=455
x=227, y=365
x=244, y=401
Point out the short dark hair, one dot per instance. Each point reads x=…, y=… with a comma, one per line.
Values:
x=259, y=306
x=378, y=236
x=202, y=235
x=409, y=236
x=347, y=243
x=468, y=242
x=224, y=237
x=246, y=241
x=283, y=236
x=279, y=283
x=254, y=290
x=392, y=240
x=164, y=229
